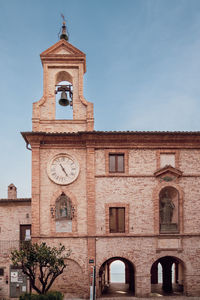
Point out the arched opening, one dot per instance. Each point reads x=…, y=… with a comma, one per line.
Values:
x=64, y=79
x=117, y=271
x=160, y=273
x=116, y=278
x=167, y=276
x=169, y=210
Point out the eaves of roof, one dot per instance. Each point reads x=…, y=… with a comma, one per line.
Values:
x=18, y=200
x=113, y=132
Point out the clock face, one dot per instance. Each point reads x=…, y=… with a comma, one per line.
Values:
x=63, y=169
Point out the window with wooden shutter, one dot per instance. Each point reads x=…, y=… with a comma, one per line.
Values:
x=117, y=219
x=116, y=163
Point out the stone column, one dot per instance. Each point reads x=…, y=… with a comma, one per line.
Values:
x=127, y=273
x=176, y=272
x=154, y=274
x=142, y=285
x=167, y=275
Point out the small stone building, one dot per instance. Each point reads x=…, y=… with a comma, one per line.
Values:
x=129, y=196
x=15, y=227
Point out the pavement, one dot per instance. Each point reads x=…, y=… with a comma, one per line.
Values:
x=149, y=298
x=152, y=298
x=117, y=291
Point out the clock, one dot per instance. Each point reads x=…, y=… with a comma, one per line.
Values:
x=63, y=169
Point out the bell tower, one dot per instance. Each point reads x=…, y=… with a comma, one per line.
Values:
x=63, y=62
x=63, y=162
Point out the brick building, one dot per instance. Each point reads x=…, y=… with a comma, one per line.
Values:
x=15, y=226
x=129, y=196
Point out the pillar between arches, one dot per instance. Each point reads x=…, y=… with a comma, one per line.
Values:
x=154, y=274
x=142, y=285
x=167, y=275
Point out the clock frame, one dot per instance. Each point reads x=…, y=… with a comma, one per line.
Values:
x=63, y=169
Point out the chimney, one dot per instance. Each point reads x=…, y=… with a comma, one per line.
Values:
x=12, y=191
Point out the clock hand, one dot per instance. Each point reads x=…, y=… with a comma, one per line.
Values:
x=64, y=170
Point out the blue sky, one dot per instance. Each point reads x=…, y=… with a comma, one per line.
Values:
x=143, y=68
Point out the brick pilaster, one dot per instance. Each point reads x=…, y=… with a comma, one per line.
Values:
x=35, y=190
x=91, y=244
x=91, y=191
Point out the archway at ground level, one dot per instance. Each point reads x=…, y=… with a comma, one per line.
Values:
x=167, y=276
x=117, y=287
x=117, y=272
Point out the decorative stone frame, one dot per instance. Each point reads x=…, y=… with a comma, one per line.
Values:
x=116, y=151
x=68, y=215
x=156, y=201
x=118, y=204
x=53, y=218
x=175, y=152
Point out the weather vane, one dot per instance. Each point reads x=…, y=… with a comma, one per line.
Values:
x=63, y=17
x=64, y=35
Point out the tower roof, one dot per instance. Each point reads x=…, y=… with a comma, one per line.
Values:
x=63, y=51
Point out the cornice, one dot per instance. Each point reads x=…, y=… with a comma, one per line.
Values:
x=165, y=140
x=15, y=201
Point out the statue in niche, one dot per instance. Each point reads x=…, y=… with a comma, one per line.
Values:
x=63, y=209
x=166, y=209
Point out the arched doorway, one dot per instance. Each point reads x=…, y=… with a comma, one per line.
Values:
x=167, y=276
x=116, y=278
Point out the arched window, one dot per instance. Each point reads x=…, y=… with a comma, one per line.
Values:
x=63, y=208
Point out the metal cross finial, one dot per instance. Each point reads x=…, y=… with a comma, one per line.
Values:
x=64, y=35
x=63, y=17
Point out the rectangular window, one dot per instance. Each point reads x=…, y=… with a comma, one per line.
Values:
x=25, y=233
x=1, y=271
x=117, y=219
x=116, y=163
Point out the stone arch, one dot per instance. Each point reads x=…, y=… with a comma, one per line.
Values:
x=73, y=283
x=104, y=275
x=168, y=285
x=63, y=190
x=63, y=76
x=156, y=199
x=107, y=257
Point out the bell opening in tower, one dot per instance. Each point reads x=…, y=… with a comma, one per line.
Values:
x=64, y=101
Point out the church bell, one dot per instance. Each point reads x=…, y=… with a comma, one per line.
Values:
x=63, y=99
